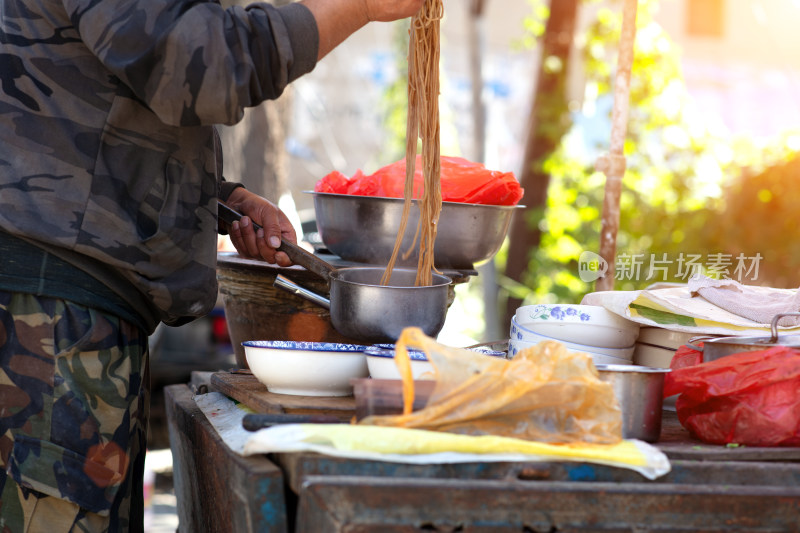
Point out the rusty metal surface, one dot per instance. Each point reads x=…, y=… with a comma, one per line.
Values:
x=348, y=495
x=217, y=490
x=297, y=467
x=380, y=504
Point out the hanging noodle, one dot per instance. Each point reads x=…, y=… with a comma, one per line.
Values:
x=422, y=124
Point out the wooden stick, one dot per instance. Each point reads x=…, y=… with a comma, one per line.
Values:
x=613, y=164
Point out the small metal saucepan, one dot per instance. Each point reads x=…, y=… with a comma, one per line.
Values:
x=362, y=308
x=715, y=347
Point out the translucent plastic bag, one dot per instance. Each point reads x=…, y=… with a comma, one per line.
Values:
x=544, y=394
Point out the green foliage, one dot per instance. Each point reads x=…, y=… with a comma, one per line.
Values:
x=680, y=177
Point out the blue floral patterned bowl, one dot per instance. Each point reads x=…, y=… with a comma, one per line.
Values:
x=590, y=325
x=306, y=368
x=520, y=334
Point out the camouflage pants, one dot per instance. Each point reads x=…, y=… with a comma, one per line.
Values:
x=74, y=397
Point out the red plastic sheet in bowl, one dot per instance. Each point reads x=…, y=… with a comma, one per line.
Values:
x=462, y=181
x=748, y=398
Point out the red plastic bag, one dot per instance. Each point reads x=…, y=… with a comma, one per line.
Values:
x=685, y=356
x=748, y=398
x=461, y=180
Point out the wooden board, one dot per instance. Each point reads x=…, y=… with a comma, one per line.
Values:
x=384, y=397
x=246, y=389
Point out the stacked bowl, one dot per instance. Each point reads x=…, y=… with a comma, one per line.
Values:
x=655, y=346
x=607, y=337
x=381, y=365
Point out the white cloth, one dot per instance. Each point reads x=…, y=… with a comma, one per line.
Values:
x=759, y=304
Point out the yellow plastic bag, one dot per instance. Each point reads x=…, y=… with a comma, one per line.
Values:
x=544, y=394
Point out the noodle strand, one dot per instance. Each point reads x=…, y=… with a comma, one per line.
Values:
x=422, y=124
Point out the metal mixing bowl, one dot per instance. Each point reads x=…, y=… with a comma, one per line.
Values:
x=364, y=228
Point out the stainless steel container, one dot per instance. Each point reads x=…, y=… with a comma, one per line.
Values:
x=715, y=347
x=639, y=390
x=364, y=228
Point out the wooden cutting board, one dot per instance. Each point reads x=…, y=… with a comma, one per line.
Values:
x=246, y=389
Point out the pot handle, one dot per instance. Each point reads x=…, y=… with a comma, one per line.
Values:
x=774, y=325
x=297, y=254
x=301, y=256
x=701, y=338
x=288, y=285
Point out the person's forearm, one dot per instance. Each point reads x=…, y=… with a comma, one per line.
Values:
x=336, y=20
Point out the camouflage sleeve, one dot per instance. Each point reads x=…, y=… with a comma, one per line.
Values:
x=195, y=63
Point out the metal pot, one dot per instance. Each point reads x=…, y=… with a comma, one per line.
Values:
x=363, y=229
x=715, y=347
x=360, y=307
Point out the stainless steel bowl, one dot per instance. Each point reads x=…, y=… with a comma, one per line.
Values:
x=364, y=228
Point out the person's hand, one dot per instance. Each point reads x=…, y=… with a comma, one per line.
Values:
x=275, y=227
x=389, y=10
x=338, y=19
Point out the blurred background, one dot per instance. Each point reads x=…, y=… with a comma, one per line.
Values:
x=527, y=87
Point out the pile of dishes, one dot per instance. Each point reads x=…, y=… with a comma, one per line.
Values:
x=607, y=337
x=656, y=346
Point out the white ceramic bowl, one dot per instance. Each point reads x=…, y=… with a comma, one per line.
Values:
x=522, y=333
x=653, y=356
x=590, y=325
x=306, y=368
x=665, y=338
x=380, y=361
x=516, y=346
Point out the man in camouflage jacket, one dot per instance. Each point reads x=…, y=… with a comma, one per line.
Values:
x=109, y=178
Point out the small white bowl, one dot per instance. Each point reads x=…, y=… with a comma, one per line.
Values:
x=382, y=366
x=306, y=368
x=653, y=356
x=590, y=325
x=380, y=361
x=522, y=333
x=665, y=338
x=516, y=346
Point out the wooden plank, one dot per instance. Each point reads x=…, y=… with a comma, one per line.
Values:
x=217, y=490
x=677, y=443
x=246, y=389
x=364, y=504
x=385, y=396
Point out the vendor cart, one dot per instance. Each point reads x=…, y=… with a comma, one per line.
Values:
x=709, y=488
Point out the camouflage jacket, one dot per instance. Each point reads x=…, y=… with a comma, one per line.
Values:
x=107, y=110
